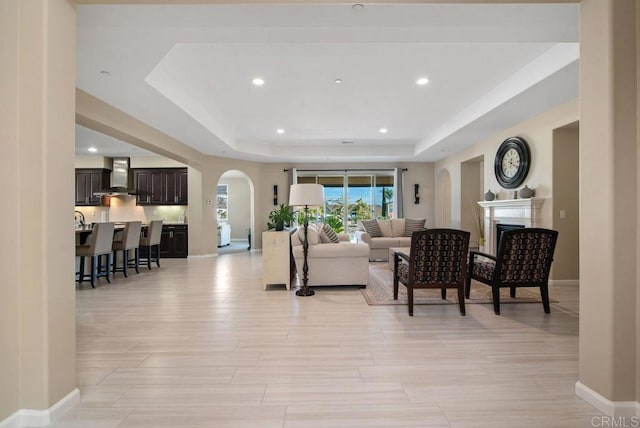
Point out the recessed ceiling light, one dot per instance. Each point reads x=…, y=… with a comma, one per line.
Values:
x=348, y=142
x=92, y=149
x=105, y=73
x=422, y=81
x=338, y=81
x=357, y=6
x=330, y=131
x=383, y=130
x=258, y=81
x=280, y=131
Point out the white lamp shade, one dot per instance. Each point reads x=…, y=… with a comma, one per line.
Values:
x=306, y=194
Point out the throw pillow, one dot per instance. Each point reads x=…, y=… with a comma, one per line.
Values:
x=372, y=228
x=313, y=236
x=411, y=226
x=328, y=235
x=385, y=228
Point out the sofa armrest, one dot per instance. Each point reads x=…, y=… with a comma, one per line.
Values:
x=362, y=236
x=344, y=237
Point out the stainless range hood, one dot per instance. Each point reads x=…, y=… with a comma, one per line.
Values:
x=121, y=180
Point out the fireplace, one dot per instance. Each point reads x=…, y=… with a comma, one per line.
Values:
x=509, y=213
x=501, y=227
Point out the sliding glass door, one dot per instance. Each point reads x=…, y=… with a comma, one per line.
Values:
x=352, y=196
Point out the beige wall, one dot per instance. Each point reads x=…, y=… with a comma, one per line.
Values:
x=87, y=161
x=10, y=286
x=566, y=263
x=37, y=309
x=609, y=198
x=538, y=132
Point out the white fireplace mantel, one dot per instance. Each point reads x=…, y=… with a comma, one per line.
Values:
x=522, y=212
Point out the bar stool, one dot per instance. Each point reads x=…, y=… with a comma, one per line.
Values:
x=151, y=241
x=130, y=241
x=99, y=245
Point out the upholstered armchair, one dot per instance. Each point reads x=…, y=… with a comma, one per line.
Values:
x=524, y=260
x=437, y=259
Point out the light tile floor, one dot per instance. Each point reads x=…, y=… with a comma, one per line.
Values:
x=199, y=343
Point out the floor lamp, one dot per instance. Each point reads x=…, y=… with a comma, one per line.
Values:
x=306, y=195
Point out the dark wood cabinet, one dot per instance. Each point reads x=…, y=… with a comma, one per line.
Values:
x=161, y=186
x=88, y=182
x=174, y=242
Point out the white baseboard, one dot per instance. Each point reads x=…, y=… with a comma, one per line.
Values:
x=606, y=406
x=40, y=418
x=12, y=421
x=564, y=282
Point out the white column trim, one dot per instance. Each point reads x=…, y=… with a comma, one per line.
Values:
x=41, y=418
x=606, y=406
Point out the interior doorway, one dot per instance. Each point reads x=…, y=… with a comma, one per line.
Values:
x=566, y=204
x=472, y=191
x=235, y=212
x=443, y=199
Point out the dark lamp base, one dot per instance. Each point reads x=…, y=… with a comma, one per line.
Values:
x=305, y=291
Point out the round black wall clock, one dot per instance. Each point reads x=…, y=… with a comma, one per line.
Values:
x=512, y=162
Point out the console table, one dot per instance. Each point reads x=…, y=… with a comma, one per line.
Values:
x=276, y=259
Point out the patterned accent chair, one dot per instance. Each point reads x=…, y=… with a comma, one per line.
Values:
x=437, y=259
x=524, y=260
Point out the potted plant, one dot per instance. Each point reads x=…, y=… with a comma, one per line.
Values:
x=280, y=217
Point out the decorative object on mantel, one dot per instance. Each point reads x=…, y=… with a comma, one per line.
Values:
x=416, y=193
x=526, y=192
x=512, y=161
x=306, y=195
x=489, y=196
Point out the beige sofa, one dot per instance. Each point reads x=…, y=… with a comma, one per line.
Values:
x=343, y=263
x=393, y=235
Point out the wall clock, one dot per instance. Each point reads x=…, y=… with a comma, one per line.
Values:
x=512, y=162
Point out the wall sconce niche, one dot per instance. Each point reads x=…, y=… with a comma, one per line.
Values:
x=416, y=193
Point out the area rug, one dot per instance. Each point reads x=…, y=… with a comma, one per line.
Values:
x=380, y=292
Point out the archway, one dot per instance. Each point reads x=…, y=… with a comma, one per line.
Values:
x=235, y=212
x=443, y=199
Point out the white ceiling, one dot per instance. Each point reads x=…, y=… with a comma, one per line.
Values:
x=187, y=71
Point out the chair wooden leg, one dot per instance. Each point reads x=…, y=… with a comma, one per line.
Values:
x=149, y=254
x=443, y=293
x=115, y=262
x=125, y=262
x=136, y=260
x=109, y=260
x=513, y=292
x=461, y=300
x=467, y=286
x=158, y=255
x=94, y=270
x=496, y=299
x=410, y=298
x=81, y=273
x=544, y=293
x=395, y=280
x=395, y=287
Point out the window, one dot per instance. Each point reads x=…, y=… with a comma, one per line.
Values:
x=365, y=194
x=222, y=199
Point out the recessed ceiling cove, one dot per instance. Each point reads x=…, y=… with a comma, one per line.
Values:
x=188, y=71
